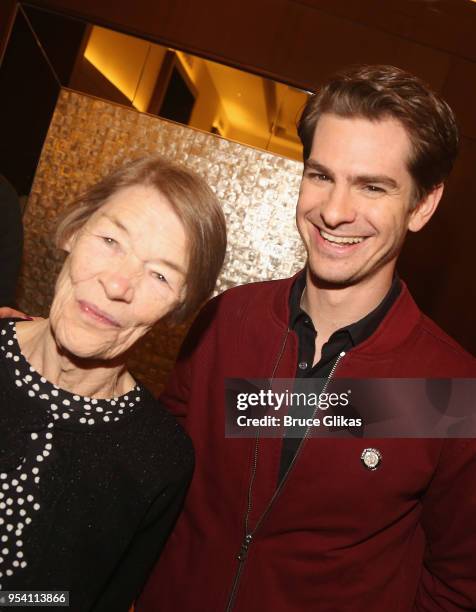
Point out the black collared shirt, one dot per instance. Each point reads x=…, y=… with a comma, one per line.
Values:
x=341, y=340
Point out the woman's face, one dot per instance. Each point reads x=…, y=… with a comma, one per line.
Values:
x=126, y=270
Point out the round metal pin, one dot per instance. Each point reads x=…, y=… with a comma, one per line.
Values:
x=371, y=458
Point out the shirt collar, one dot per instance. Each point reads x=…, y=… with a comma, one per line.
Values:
x=358, y=331
x=295, y=310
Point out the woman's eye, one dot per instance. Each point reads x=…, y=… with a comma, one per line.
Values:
x=109, y=241
x=160, y=277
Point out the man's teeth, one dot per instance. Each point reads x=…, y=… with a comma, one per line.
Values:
x=341, y=239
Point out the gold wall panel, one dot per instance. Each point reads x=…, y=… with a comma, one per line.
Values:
x=88, y=137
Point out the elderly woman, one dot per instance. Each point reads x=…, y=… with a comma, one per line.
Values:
x=93, y=470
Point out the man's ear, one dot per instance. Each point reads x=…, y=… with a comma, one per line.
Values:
x=425, y=209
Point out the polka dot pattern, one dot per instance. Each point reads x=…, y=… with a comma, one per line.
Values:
x=19, y=489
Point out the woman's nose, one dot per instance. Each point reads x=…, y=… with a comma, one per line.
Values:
x=119, y=283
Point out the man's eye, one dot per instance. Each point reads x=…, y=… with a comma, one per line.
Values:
x=318, y=176
x=374, y=189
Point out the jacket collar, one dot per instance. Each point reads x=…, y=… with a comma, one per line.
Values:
x=396, y=327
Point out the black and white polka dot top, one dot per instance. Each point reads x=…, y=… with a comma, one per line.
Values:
x=89, y=489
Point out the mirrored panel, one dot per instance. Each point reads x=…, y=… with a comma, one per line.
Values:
x=170, y=83
x=190, y=90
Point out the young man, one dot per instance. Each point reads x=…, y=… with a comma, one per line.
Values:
x=316, y=524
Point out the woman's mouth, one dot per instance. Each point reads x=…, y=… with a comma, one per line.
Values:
x=97, y=314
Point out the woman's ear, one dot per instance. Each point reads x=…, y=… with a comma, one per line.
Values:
x=425, y=209
x=68, y=243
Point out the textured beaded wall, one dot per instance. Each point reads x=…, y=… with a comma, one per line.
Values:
x=88, y=137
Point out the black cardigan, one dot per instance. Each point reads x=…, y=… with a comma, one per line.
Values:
x=112, y=495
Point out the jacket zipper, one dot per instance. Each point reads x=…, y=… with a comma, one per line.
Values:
x=243, y=553
x=249, y=535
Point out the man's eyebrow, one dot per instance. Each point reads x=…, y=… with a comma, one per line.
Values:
x=312, y=164
x=170, y=264
x=382, y=179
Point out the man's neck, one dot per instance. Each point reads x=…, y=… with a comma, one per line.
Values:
x=332, y=308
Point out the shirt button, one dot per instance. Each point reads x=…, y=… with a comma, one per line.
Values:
x=303, y=365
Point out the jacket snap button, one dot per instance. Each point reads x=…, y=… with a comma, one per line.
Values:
x=371, y=458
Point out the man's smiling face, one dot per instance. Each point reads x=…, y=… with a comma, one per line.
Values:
x=355, y=200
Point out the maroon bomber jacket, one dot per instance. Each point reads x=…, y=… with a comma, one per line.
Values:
x=336, y=537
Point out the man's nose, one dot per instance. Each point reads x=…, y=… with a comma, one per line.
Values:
x=338, y=207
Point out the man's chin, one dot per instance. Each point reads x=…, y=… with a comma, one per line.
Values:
x=332, y=281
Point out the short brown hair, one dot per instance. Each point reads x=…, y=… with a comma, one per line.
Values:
x=192, y=200
x=377, y=92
